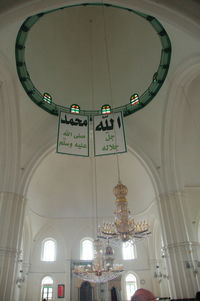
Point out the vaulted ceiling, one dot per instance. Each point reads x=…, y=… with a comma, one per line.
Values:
x=62, y=186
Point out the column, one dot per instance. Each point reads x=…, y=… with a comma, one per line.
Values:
x=11, y=221
x=183, y=280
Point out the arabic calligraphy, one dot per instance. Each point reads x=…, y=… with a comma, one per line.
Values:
x=68, y=144
x=80, y=145
x=76, y=121
x=106, y=127
x=109, y=137
x=109, y=134
x=110, y=147
x=73, y=135
x=67, y=133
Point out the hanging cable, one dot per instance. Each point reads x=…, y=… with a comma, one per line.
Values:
x=110, y=81
x=92, y=158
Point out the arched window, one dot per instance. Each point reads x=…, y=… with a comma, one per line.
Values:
x=134, y=99
x=47, y=288
x=48, y=250
x=128, y=251
x=105, y=109
x=87, y=250
x=131, y=285
x=47, y=98
x=75, y=109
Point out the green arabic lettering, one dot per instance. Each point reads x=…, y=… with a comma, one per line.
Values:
x=67, y=133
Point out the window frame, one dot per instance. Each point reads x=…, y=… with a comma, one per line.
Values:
x=134, y=252
x=43, y=249
x=126, y=282
x=48, y=286
x=81, y=248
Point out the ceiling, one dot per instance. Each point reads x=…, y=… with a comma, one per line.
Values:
x=62, y=186
x=92, y=55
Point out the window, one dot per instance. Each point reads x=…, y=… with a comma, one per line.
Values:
x=87, y=251
x=47, y=288
x=128, y=251
x=75, y=109
x=131, y=285
x=47, y=98
x=134, y=99
x=105, y=109
x=48, y=250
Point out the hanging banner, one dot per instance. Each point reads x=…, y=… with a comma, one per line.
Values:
x=109, y=135
x=73, y=135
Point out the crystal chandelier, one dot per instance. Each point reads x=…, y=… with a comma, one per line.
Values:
x=102, y=268
x=124, y=228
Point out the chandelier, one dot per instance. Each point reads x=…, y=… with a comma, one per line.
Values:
x=102, y=268
x=124, y=228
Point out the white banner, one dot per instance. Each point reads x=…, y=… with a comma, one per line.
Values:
x=109, y=135
x=73, y=138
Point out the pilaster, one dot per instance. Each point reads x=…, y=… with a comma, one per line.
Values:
x=184, y=281
x=11, y=221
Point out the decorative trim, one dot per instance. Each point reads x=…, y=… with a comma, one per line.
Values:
x=183, y=244
x=37, y=97
x=8, y=251
x=11, y=195
x=173, y=114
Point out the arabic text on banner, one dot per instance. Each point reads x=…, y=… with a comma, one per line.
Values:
x=73, y=135
x=109, y=135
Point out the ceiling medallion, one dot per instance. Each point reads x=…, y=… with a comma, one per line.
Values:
x=135, y=101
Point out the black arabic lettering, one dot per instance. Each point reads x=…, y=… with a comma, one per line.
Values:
x=119, y=122
x=106, y=127
x=75, y=122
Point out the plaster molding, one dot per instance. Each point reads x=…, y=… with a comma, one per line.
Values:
x=48, y=148
x=149, y=167
x=52, y=232
x=34, y=162
x=173, y=217
x=9, y=252
x=9, y=129
x=182, y=244
x=11, y=196
x=144, y=212
x=173, y=115
x=173, y=194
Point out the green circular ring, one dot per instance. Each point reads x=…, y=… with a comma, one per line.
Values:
x=157, y=78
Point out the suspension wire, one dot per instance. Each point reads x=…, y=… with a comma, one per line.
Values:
x=91, y=93
x=107, y=54
x=93, y=158
x=91, y=64
x=110, y=83
x=95, y=193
